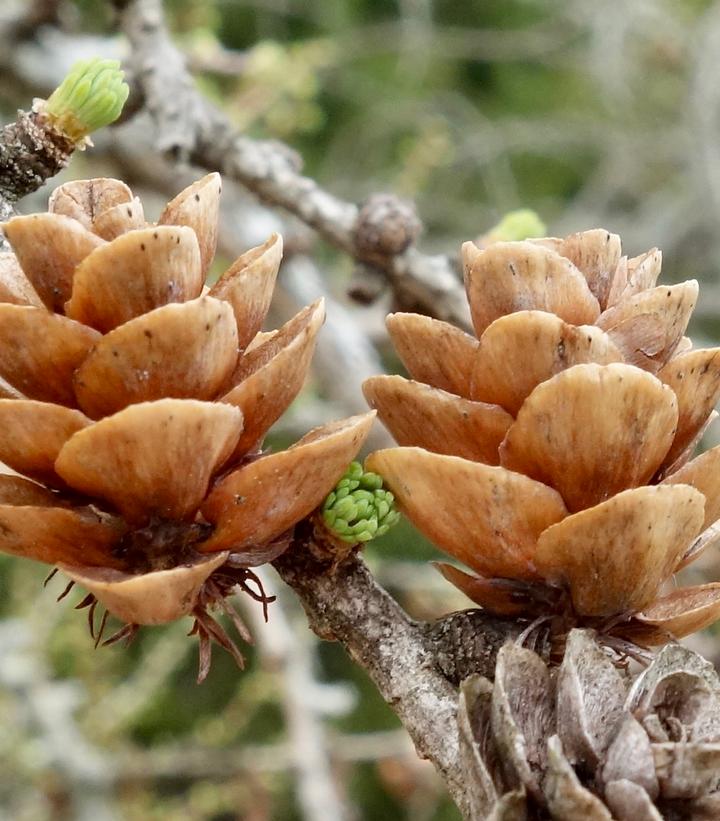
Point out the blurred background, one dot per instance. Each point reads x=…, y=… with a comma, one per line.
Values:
x=592, y=112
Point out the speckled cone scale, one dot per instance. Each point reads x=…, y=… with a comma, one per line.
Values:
x=619, y=284
x=86, y=200
x=185, y=350
x=32, y=435
x=596, y=253
x=154, y=458
x=607, y=400
x=684, y=611
x=120, y=219
x=497, y=595
x=40, y=351
x=694, y=377
x=702, y=473
x=495, y=519
x=515, y=276
x=642, y=272
x=139, y=271
x=436, y=420
x=15, y=287
x=48, y=248
x=433, y=351
x=198, y=208
x=105, y=207
x=149, y=598
x=259, y=501
x=54, y=534
x=142, y=395
x=656, y=526
x=648, y=326
x=521, y=350
x=268, y=378
x=248, y=286
x=592, y=431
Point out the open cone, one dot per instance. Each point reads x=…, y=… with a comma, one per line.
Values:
x=552, y=455
x=137, y=400
x=586, y=741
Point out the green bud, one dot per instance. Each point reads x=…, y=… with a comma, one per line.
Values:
x=359, y=509
x=346, y=508
x=90, y=97
x=517, y=225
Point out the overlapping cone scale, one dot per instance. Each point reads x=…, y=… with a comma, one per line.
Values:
x=552, y=453
x=135, y=400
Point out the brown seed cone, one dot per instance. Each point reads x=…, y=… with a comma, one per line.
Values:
x=142, y=400
x=541, y=453
x=585, y=741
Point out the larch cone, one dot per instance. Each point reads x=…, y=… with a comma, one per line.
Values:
x=551, y=453
x=135, y=400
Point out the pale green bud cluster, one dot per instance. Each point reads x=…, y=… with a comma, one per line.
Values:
x=90, y=97
x=517, y=225
x=358, y=509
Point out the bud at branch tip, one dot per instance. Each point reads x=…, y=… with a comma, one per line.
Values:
x=90, y=97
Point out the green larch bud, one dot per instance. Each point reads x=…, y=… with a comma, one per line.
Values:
x=90, y=97
x=359, y=509
x=515, y=226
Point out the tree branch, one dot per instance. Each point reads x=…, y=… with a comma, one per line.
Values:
x=31, y=151
x=192, y=130
x=414, y=665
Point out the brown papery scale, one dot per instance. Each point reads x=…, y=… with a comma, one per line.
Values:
x=586, y=741
x=134, y=401
x=551, y=453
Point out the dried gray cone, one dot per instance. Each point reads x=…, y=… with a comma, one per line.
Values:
x=585, y=742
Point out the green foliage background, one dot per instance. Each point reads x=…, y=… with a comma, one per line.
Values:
x=592, y=113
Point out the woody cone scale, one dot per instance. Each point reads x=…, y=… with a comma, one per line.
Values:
x=135, y=401
x=551, y=454
x=583, y=741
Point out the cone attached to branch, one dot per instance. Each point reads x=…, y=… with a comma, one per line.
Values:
x=584, y=741
x=138, y=400
x=552, y=452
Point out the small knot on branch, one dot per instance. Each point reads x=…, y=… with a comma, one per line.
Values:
x=367, y=284
x=386, y=226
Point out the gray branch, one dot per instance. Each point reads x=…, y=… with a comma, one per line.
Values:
x=192, y=130
x=414, y=665
x=31, y=151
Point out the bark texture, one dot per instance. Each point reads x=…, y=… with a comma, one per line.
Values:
x=415, y=665
x=31, y=152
